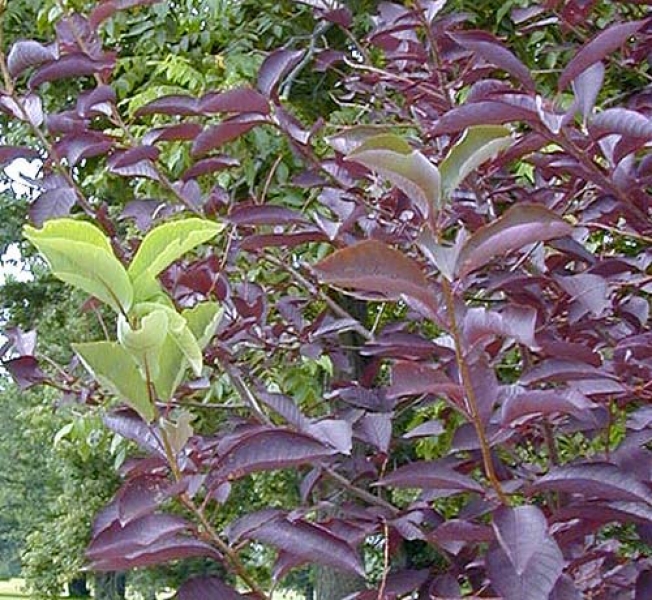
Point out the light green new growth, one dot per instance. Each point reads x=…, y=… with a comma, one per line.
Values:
x=477, y=146
x=409, y=170
x=169, y=242
x=156, y=344
x=80, y=254
x=115, y=369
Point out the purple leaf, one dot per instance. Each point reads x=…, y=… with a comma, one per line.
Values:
x=590, y=292
x=23, y=342
x=560, y=371
x=202, y=588
x=601, y=480
x=528, y=562
x=75, y=34
x=269, y=450
x=523, y=404
x=644, y=586
x=373, y=399
x=182, y=131
x=28, y=53
x=427, y=429
x=372, y=266
x=587, y=86
x=65, y=122
x=11, y=153
x=598, y=48
x=172, y=548
x=336, y=433
x=519, y=531
x=117, y=540
x=400, y=584
x=480, y=113
x=52, y=204
x=140, y=496
x=309, y=542
x=78, y=146
x=71, y=65
x=493, y=51
x=625, y=122
x=292, y=126
x=376, y=429
x=226, y=131
x=565, y=590
x=185, y=106
x=285, y=562
x=400, y=345
x=237, y=100
x=410, y=378
x=106, y=9
x=453, y=530
x=127, y=424
x=267, y=214
x=241, y=528
x=287, y=408
x=98, y=101
x=276, y=66
x=339, y=16
x=136, y=162
x=143, y=212
x=29, y=108
x=325, y=59
x=571, y=351
x=287, y=240
x=213, y=164
x=515, y=321
x=522, y=224
x=25, y=371
x=429, y=475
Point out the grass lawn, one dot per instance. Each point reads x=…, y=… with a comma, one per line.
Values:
x=10, y=589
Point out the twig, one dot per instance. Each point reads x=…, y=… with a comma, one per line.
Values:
x=360, y=493
x=213, y=537
x=244, y=392
x=313, y=289
x=383, y=582
x=268, y=179
x=469, y=392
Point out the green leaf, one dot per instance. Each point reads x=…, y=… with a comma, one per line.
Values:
x=203, y=320
x=409, y=170
x=179, y=431
x=148, y=289
x=178, y=330
x=115, y=369
x=80, y=254
x=189, y=347
x=72, y=230
x=145, y=342
x=520, y=225
x=167, y=243
x=172, y=365
x=477, y=146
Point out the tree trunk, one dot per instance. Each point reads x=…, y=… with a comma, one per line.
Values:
x=332, y=584
x=78, y=588
x=110, y=586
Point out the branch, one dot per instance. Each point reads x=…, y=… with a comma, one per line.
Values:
x=244, y=392
x=469, y=392
x=315, y=291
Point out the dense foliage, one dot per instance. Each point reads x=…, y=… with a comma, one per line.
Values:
x=413, y=314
